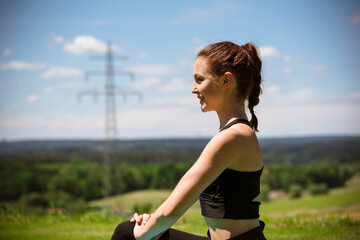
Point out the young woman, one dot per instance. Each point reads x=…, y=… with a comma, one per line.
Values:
x=226, y=176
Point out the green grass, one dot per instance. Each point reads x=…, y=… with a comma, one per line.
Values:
x=126, y=202
x=335, y=216
x=335, y=198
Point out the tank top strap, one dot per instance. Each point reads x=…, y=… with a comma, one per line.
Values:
x=238, y=120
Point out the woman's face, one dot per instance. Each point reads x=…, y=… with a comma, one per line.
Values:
x=207, y=87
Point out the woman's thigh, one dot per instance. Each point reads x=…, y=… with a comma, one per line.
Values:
x=124, y=231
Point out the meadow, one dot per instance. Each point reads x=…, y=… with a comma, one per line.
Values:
x=332, y=216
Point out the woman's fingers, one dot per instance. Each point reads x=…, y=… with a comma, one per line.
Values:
x=137, y=218
x=146, y=218
x=140, y=219
x=134, y=217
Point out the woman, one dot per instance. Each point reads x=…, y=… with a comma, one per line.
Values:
x=226, y=176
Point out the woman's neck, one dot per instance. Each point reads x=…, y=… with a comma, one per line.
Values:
x=230, y=112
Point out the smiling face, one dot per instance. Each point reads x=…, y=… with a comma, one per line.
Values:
x=207, y=87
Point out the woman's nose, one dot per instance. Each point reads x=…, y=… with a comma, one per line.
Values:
x=194, y=90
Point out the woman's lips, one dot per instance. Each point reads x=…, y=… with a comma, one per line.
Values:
x=201, y=99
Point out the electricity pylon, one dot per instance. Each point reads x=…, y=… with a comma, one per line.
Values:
x=110, y=91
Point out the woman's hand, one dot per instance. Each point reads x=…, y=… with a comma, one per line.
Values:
x=140, y=219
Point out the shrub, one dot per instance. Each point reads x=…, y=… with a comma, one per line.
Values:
x=264, y=193
x=318, y=188
x=34, y=200
x=295, y=191
x=59, y=199
x=77, y=206
x=142, y=208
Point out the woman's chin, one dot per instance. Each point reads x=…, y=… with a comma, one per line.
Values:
x=204, y=108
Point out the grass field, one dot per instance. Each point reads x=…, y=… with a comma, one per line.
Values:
x=335, y=216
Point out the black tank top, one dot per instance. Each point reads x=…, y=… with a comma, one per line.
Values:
x=231, y=194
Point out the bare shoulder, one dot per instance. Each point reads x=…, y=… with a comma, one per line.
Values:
x=239, y=135
x=242, y=147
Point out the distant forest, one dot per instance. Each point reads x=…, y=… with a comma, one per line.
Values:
x=275, y=150
x=62, y=173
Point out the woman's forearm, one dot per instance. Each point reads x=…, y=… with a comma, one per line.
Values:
x=184, y=195
x=163, y=218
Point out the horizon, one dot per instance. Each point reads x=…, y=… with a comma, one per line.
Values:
x=177, y=138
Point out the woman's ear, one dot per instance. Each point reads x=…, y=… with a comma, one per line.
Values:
x=228, y=79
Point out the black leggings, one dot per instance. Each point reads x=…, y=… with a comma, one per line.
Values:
x=124, y=231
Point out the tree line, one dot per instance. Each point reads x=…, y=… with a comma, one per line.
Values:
x=58, y=184
x=66, y=176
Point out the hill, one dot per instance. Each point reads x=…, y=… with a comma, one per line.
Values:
x=297, y=150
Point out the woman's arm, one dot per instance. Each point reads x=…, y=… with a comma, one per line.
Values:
x=218, y=155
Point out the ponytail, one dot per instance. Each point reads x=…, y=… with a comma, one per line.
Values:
x=254, y=93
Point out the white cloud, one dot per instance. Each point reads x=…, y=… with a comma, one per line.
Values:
x=32, y=98
x=131, y=124
x=320, y=68
x=287, y=70
x=187, y=101
x=52, y=126
x=175, y=85
x=72, y=85
x=275, y=119
x=62, y=72
x=87, y=44
x=298, y=112
x=272, y=53
x=284, y=112
x=21, y=65
x=269, y=52
x=301, y=95
x=53, y=39
x=276, y=95
x=56, y=38
x=308, y=119
x=6, y=52
x=146, y=82
x=272, y=89
x=355, y=96
x=153, y=69
x=185, y=122
x=356, y=19
x=161, y=70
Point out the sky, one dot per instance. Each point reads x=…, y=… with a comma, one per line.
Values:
x=310, y=52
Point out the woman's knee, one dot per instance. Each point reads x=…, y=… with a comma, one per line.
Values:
x=124, y=231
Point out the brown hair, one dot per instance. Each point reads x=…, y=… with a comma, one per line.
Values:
x=244, y=63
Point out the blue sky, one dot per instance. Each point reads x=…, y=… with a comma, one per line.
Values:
x=310, y=52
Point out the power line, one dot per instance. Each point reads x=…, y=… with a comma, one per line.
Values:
x=110, y=91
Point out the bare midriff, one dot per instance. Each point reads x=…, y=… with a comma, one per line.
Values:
x=220, y=228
